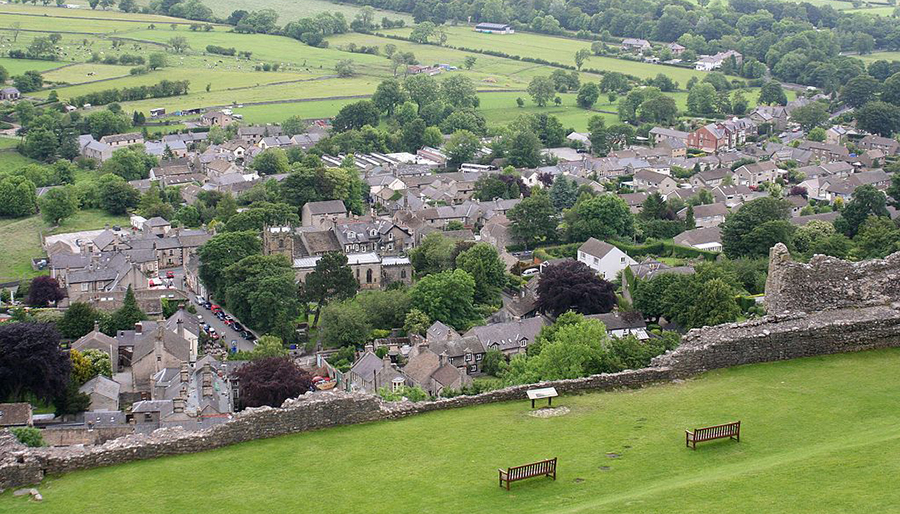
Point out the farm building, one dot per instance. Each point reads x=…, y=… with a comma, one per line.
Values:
x=494, y=28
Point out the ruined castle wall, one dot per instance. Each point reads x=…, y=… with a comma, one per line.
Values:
x=827, y=283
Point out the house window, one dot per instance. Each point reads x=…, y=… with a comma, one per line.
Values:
x=596, y=260
x=623, y=260
x=84, y=286
x=468, y=357
x=473, y=368
x=478, y=357
x=403, y=273
x=523, y=343
x=369, y=276
x=148, y=418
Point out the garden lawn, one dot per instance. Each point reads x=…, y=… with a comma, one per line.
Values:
x=819, y=436
x=21, y=239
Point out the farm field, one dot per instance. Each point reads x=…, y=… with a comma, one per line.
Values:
x=880, y=11
x=291, y=10
x=19, y=66
x=554, y=49
x=22, y=241
x=85, y=13
x=878, y=56
x=818, y=436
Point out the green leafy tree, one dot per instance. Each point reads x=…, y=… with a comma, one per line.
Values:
x=703, y=100
x=563, y=193
x=525, y=150
x=603, y=217
x=738, y=227
x=859, y=90
x=32, y=362
x=416, y=322
x=867, y=201
x=581, y=56
x=459, y=92
x=542, y=90
x=533, y=220
x=18, y=197
x=433, y=255
x=713, y=304
x=877, y=238
x=331, y=280
x=461, y=147
x=448, y=297
x=78, y=320
x=273, y=161
x=388, y=95
x=220, y=252
x=587, y=95
x=261, y=290
x=772, y=94
x=125, y=316
x=484, y=265
x=116, y=195
x=881, y=118
x=811, y=116
x=344, y=324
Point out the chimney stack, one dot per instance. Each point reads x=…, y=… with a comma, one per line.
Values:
x=137, y=328
x=207, y=381
x=185, y=373
x=180, y=330
x=96, y=325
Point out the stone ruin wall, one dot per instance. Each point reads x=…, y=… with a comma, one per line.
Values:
x=787, y=335
x=828, y=283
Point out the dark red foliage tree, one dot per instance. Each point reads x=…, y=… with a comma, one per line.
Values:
x=44, y=290
x=798, y=191
x=572, y=286
x=31, y=361
x=271, y=381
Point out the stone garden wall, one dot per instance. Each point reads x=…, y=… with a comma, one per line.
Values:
x=867, y=325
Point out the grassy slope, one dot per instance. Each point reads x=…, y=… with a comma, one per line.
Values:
x=555, y=49
x=291, y=10
x=819, y=436
x=21, y=239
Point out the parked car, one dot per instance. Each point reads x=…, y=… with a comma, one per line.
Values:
x=200, y=300
x=207, y=305
x=530, y=272
x=170, y=274
x=215, y=308
x=237, y=326
x=248, y=336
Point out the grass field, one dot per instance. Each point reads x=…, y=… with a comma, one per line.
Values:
x=819, y=436
x=291, y=10
x=554, y=49
x=22, y=239
x=19, y=66
x=877, y=56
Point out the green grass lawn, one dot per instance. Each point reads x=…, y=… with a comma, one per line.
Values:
x=22, y=239
x=819, y=436
x=10, y=159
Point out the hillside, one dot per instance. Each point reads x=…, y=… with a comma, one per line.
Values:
x=819, y=435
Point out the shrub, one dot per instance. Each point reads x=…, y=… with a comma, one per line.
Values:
x=29, y=436
x=413, y=394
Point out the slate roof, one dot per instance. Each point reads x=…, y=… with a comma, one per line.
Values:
x=596, y=248
x=102, y=386
x=327, y=207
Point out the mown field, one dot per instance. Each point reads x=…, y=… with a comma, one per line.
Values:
x=819, y=436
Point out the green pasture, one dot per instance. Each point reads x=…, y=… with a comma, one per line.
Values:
x=819, y=435
x=554, y=49
x=22, y=241
x=20, y=66
x=291, y=10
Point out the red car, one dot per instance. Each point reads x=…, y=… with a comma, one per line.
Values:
x=215, y=308
x=170, y=274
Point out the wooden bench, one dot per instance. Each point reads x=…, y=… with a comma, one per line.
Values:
x=731, y=430
x=545, y=468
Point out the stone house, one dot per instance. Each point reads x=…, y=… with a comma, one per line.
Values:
x=708, y=238
x=10, y=94
x=511, y=337
x=323, y=214
x=653, y=181
x=713, y=137
x=16, y=415
x=603, y=258
x=465, y=353
x=623, y=324
x=156, y=350
x=433, y=372
x=122, y=140
x=754, y=174
x=215, y=119
x=710, y=215
x=636, y=45
x=104, y=393
x=825, y=152
x=885, y=144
